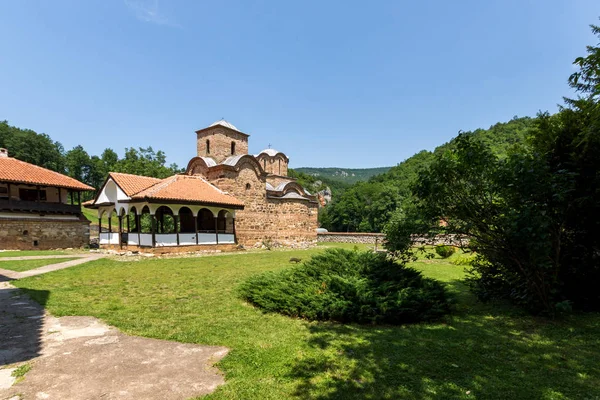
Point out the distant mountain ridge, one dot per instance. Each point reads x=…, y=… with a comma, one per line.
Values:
x=345, y=175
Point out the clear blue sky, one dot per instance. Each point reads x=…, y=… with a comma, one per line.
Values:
x=350, y=84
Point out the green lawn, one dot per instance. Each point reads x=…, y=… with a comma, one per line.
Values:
x=26, y=265
x=27, y=253
x=481, y=351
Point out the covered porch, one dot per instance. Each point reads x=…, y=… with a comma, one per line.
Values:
x=146, y=225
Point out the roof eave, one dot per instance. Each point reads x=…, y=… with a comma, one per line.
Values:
x=222, y=126
x=78, y=189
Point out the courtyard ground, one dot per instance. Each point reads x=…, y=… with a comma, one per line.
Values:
x=483, y=351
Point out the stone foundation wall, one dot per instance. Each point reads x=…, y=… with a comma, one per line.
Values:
x=352, y=237
x=43, y=234
x=172, y=249
x=370, y=238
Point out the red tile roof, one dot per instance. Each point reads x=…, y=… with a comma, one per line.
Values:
x=188, y=188
x=132, y=184
x=17, y=171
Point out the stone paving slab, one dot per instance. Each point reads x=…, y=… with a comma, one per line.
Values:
x=83, y=358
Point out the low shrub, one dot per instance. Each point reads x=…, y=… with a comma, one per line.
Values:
x=445, y=251
x=349, y=286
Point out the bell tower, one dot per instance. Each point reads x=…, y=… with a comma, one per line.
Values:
x=220, y=141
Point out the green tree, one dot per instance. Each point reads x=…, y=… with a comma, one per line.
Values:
x=29, y=146
x=147, y=162
x=533, y=215
x=78, y=164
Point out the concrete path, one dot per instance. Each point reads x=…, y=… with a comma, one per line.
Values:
x=83, y=358
x=10, y=275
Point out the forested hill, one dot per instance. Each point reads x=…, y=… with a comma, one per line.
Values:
x=344, y=175
x=367, y=206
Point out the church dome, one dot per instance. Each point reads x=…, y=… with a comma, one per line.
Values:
x=226, y=124
x=269, y=152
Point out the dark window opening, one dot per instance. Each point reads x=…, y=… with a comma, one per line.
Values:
x=248, y=186
x=207, y=146
x=32, y=194
x=25, y=232
x=36, y=243
x=232, y=148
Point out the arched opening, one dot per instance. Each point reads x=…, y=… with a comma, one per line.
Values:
x=145, y=220
x=232, y=148
x=111, y=191
x=248, y=186
x=265, y=164
x=186, y=220
x=132, y=220
x=280, y=166
x=222, y=221
x=207, y=146
x=206, y=221
x=166, y=221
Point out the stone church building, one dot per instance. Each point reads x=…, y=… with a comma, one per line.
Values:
x=225, y=197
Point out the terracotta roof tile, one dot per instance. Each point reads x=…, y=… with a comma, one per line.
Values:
x=132, y=184
x=189, y=189
x=17, y=171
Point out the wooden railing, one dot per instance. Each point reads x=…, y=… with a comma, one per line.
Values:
x=38, y=207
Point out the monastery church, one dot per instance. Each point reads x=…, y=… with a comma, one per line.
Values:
x=225, y=197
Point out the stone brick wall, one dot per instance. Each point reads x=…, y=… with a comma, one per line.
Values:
x=21, y=234
x=352, y=237
x=280, y=221
x=220, y=143
x=370, y=238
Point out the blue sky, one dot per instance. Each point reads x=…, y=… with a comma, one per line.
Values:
x=330, y=83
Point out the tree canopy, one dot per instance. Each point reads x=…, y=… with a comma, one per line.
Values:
x=39, y=149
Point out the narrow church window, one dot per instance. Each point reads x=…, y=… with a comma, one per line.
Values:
x=279, y=166
x=232, y=148
x=247, y=186
x=207, y=146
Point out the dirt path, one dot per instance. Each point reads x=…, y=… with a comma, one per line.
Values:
x=83, y=358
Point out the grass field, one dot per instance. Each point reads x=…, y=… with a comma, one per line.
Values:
x=27, y=253
x=26, y=265
x=481, y=351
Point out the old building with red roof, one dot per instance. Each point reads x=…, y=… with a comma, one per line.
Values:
x=39, y=208
x=226, y=197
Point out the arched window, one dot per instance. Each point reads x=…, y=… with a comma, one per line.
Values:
x=207, y=146
x=280, y=166
x=232, y=148
x=248, y=186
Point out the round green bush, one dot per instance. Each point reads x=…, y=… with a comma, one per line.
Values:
x=349, y=286
x=445, y=251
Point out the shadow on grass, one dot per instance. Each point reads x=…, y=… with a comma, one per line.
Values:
x=21, y=324
x=485, y=353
